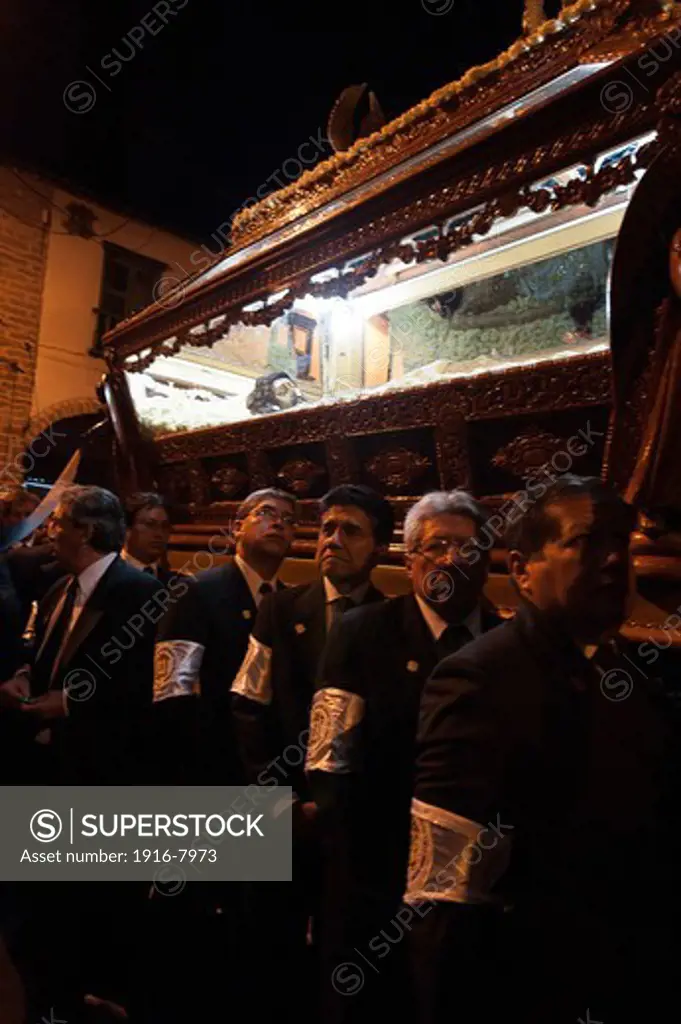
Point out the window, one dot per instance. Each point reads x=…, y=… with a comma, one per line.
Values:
x=128, y=282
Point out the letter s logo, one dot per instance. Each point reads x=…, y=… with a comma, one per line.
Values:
x=45, y=826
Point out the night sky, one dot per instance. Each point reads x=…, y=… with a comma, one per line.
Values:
x=207, y=108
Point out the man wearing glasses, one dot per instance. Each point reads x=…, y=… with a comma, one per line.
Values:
x=202, y=641
x=362, y=735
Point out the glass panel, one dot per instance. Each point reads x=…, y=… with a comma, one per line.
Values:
x=248, y=372
x=529, y=312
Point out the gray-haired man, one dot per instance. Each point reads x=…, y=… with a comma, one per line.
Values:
x=88, y=689
x=363, y=726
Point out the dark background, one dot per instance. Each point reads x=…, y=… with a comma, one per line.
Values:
x=213, y=104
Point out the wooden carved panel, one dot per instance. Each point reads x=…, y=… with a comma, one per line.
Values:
x=398, y=469
x=340, y=461
x=529, y=450
x=451, y=444
x=227, y=482
x=185, y=484
x=509, y=451
x=299, y=476
x=259, y=470
x=401, y=462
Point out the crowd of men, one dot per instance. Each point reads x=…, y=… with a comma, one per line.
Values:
x=484, y=810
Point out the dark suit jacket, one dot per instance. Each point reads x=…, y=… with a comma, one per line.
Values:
x=567, y=759
x=201, y=644
x=165, y=575
x=11, y=649
x=274, y=687
x=106, y=670
x=361, y=748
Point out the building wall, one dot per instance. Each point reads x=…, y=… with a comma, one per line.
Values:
x=23, y=249
x=73, y=277
x=50, y=283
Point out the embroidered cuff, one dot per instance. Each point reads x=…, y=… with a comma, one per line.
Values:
x=254, y=678
x=176, y=669
x=334, y=719
x=452, y=858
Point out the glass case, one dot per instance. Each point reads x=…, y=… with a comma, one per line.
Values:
x=533, y=288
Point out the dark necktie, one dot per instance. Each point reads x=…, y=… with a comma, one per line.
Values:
x=451, y=640
x=339, y=607
x=265, y=588
x=149, y=570
x=46, y=662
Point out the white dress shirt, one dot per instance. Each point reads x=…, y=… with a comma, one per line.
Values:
x=437, y=624
x=135, y=562
x=253, y=580
x=87, y=581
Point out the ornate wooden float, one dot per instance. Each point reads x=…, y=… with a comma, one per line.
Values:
x=450, y=302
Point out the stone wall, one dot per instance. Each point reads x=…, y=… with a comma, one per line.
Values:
x=24, y=226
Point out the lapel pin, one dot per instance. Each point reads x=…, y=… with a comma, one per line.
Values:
x=299, y=628
x=412, y=666
x=247, y=613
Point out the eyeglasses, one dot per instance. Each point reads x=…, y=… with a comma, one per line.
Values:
x=439, y=549
x=267, y=512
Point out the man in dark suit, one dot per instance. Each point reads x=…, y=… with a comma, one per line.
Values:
x=86, y=698
x=201, y=643
x=273, y=691
x=540, y=758
x=363, y=730
x=88, y=690
x=147, y=532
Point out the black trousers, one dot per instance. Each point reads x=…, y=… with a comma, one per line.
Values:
x=70, y=939
x=474, y=963
x=195, y=959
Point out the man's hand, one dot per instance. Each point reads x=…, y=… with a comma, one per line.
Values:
x=14, y=691
x=51, y=705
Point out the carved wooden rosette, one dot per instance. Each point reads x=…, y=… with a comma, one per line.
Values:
x=299, y=475
x=529, y=450
x=228, y=481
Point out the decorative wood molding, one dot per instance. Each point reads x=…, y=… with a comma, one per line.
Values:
x=508, y=184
